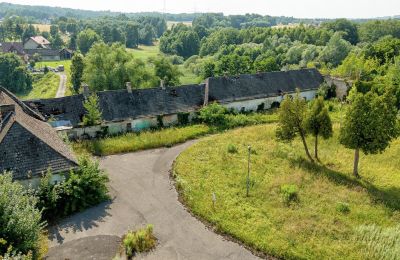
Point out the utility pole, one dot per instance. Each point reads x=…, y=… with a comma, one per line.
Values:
x=248, y=172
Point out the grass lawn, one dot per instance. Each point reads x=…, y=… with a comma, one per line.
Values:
x=167, y=137
x=67, y=68
x=43, y=86
x=334, y=216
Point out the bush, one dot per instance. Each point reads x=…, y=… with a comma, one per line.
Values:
x=176, y=60
x=83, y=188
x=213, y=114
x=232, y=148
x=20, y=220
x=343, y=207
x=139, y=241
x=183, y=118
x=289, y=193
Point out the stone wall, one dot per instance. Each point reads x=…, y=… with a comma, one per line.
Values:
x=342, y=86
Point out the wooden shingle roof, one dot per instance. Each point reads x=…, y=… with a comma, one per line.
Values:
x=28, y=145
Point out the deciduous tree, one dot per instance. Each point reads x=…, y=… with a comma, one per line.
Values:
x=319, y=123
x=370, y=123
x=292, y=115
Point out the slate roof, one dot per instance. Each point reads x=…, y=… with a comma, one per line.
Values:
x=28, y=145
x=261, y=85
x=119, y=105
x=17, y=47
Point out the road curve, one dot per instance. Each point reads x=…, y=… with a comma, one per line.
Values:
x=62, y=86
x=143, y=193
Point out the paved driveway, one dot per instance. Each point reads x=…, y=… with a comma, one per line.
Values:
x=62, y=85
x=143, y=193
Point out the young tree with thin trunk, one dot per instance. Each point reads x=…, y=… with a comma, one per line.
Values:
x=319, y=123
x=370, y=124
x=292, y=114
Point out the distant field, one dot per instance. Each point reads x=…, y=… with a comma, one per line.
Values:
x=171, y=23
x=144, y=52
x=43, y=27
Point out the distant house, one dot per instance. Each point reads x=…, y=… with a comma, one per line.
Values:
x=14, y=47
x=28, y=145
x=37, y=42
x=66, y=54
x=135, y=110
x=41, y=46
x=45, y=54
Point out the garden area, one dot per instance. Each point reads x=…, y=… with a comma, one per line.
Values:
x=295, y=209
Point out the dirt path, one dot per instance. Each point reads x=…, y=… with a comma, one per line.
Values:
x=63, y=85
x=143, y=193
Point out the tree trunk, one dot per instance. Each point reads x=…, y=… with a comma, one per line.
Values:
x=356, y=160
x=306, y=147
x=316, y=148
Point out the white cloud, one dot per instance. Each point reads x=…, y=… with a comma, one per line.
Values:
x=296, y=8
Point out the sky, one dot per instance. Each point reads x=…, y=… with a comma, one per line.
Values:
x=295, y=8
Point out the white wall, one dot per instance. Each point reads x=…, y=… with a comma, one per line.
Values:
x=252, y=105
x=34, y=182
x=30, y=45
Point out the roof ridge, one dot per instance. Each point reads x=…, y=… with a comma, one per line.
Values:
x=6, y=125
x=24, y=107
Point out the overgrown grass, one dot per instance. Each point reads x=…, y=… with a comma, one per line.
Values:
x=132, y=142
x=139, y=241
x=311, y=227
x=166, y=137
x=43, y=86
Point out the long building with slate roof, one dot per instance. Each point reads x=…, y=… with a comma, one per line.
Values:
x=133, y=110
x=28, y=145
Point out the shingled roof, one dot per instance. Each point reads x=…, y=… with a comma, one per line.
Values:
x=261, y=85
x=119, y=105
x=17, y=47
x=28, y=145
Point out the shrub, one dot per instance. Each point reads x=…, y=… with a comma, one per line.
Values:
x=213, y=114
x=139, y=241
x=232, y=148
x=83, y=188
x=93, y=113
x=183, y=118
x=289, y=193
x=160, y=122
x=20, y=220
x=343, y=207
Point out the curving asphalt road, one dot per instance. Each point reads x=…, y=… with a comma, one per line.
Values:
x=143, y=193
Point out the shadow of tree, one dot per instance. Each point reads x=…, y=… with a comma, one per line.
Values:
x=390, y=197
x=81, y=221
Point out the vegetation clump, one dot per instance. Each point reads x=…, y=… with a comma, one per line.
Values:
x=139, y=241
x=290, y=193
x=93, y=112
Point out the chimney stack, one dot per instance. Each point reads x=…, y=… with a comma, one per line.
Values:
x=162, y=84
x=6, y=109
x=129, y=87
x=86, y=91
x=206, y=91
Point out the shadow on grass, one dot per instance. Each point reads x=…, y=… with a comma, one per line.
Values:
x=390, y=197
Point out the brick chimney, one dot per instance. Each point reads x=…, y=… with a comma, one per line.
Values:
x=206, y=91
x=128, y=87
